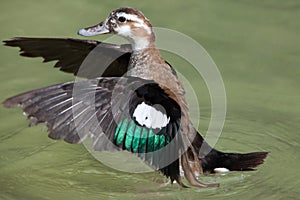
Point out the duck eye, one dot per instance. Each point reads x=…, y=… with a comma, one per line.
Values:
x=122, y=19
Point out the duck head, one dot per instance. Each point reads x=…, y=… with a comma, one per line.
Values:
x=128, y=23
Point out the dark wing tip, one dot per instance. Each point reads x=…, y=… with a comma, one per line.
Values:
x=9, y=42
x=9, y=103
x=12, y=42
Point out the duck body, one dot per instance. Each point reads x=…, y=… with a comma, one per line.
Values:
x=140, y=103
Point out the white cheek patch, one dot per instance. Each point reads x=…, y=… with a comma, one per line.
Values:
x=124, y=30
x=150, y=117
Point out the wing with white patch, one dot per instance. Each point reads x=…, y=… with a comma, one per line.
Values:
x=125, y=113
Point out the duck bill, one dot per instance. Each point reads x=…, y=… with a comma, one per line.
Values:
x=98, y=29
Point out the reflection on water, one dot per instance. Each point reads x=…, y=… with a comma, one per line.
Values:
x=262, y=83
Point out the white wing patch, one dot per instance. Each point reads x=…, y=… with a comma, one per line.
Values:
x=150, y=117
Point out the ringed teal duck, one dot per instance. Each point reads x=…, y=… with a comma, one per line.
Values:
x=139, y=102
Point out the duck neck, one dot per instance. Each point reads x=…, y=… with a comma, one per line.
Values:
x=143, y=41
x=143, y=62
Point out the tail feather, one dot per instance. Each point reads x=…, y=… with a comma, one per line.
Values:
x=231, y=161
x=246, y=161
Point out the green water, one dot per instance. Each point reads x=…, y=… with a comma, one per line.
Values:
x=256, y=46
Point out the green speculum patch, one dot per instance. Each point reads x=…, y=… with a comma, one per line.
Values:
x=139, y=139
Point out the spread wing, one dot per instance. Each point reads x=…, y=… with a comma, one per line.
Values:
x=123, y=113
x=108, y=60
x=84, y=58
